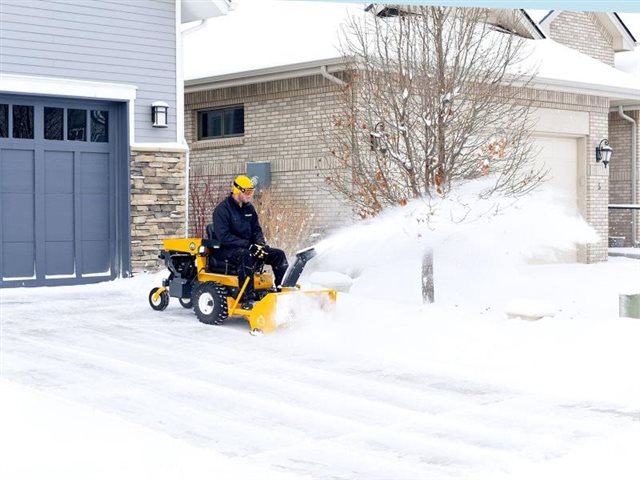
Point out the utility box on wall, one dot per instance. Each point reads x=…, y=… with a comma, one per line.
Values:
x=262, y=170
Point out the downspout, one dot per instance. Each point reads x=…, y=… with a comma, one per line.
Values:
x=197, y=27
x=332, y=78
x=634, y=175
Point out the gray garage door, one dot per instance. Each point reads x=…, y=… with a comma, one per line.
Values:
x=57, y=191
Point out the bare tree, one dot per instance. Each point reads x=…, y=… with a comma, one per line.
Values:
x=433, y=98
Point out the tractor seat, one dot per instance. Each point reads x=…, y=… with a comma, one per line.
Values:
x=215, y=265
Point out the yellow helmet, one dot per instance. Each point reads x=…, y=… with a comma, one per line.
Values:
x=242, y=183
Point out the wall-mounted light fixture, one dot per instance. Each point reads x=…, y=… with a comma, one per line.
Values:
x=375, y=138
x=604, y=152
x=159, y=114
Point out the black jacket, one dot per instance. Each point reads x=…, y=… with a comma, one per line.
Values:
x=235, y=226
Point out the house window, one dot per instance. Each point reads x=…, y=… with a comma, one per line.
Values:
x=221, y=122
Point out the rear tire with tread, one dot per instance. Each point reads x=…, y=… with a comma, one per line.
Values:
x=210, y=303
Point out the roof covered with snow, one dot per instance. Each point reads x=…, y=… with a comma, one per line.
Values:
x=269, y=36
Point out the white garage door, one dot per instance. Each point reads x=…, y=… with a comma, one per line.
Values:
x=560, y=157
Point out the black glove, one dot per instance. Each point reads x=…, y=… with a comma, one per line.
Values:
x=257, y=251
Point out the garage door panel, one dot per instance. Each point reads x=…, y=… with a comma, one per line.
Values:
x=559, y=155
x=94, y=173
x=18, y=171
x=18, y=217
x=18, y=259
x=95, y=217
x=59, y=215
x=95, y=257
x=60, y=258
x=58, y=172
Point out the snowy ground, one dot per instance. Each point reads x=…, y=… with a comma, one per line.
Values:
x=94, y=384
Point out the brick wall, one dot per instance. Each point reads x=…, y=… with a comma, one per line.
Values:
x=157, y=204
x=284, y=124
x=620, y=221
x=582, y=31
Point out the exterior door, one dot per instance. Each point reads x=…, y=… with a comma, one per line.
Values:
x=57, y=191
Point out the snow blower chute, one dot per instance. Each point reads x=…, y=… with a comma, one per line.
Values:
x=210, y=286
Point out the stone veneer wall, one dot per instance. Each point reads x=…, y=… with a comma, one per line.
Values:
x=582, y=31
x=620, y=221
x=284, y=122
x=157, y=203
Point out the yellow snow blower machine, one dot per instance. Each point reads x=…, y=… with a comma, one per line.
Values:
x=210, y=285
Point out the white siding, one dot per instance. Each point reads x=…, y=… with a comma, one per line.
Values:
x=116, y=41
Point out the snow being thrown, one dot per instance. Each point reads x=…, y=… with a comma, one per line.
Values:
x=469, y=236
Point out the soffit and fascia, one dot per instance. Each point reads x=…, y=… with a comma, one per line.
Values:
x=193, y=10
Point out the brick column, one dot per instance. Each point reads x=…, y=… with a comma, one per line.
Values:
x=597, y=189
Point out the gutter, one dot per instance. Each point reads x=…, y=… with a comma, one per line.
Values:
x=263, y=75
x=331, y=78
x=634, y=175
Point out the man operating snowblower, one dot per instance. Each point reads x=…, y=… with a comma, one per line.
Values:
x=237, y=228
x=200, y=277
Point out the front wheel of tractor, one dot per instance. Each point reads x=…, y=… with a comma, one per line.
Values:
x=160, y=302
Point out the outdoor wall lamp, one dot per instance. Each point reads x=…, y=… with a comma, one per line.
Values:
x=604, y=152
x=374, y=138
x=159, y=114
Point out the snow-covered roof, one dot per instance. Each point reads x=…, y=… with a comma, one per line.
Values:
x=260, y=34
x=629, y=62
x=299, y=37
x=565, y=69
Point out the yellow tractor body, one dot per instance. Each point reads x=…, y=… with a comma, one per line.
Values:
x=211, y=286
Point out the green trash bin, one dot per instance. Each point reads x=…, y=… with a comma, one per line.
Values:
x=630, y=305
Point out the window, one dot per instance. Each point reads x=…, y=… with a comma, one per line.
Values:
x=77, y=125
x=222, y=122
x=99, y=125
x=22, y=121
x=4, y=120
x=53, y=123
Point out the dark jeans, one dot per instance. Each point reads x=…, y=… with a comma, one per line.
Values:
x=246, y=264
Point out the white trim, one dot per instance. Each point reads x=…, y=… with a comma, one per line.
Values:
x=159, y=147
x=72, y=87
x=179, y=76
x=66, y=87
x=585, y=88
x=545, y=23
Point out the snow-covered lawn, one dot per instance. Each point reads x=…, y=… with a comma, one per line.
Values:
x=94, y=384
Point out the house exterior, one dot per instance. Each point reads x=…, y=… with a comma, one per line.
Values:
x=88, y=185
x=283, y=107
x=603, y=36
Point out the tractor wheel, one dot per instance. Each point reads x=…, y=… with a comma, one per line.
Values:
x=210, y=303
x=161, y=302
x=186, y=302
